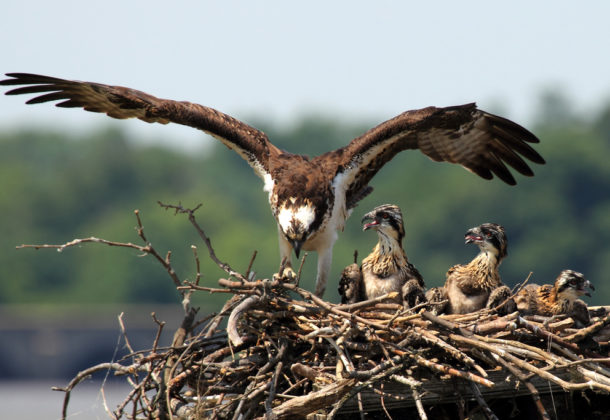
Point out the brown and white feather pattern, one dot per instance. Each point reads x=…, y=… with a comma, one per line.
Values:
x=556, y=299
x=387, y=268
x=468, y=287
x=312, y=198
x=384, y=272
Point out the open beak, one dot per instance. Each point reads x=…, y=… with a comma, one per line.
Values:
x=471, y=236
x=371, y=224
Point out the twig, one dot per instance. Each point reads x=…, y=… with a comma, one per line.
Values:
x=191, y=216
x=531, y=368
x=218, y=318
x=331, y=308
x=232, y=332
x=325, y=397
x=273, y=387
x=160, y=325
x=445, y=323
x=197, y=265
x=458, y=355
x=124, y=333
x=191, y=286
x=532, y=389
x=249, y=270
x=147, y=249
x=298, y=279
x=583, y=333
x=366, y=303
x=479, y=397
x=79, y=241
x=84, y=374
x=546, y=335
x=419, y=404
x=453, y=372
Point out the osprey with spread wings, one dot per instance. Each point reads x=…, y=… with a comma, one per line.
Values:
x=311, y=198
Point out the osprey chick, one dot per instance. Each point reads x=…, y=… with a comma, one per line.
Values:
x=311, y=198
x=387, y=268
x=560, y=298
x=477, y=284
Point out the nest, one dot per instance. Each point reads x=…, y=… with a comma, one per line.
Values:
x=277, y=351
x=285, y=353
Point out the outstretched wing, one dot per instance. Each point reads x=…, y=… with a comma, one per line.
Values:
x=481, y=142
x=121, y=102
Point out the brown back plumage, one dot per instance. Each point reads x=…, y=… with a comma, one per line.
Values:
x=556, y=299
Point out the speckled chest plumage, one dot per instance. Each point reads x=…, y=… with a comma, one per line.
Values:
x=468, y=286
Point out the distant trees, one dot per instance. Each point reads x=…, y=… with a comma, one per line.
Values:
x=55, y=187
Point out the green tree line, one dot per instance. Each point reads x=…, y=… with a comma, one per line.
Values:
x=55, y=187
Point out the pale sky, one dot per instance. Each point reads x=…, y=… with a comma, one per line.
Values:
x=276, y=59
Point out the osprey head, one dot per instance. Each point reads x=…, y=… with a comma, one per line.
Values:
x=385, y=219
x=490, y=237
x=571, y=285
x=296, y=219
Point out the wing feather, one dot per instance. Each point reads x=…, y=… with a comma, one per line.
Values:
x=482, y=143
x=512, y=158
x=54, y=96
x=512, y=140
x=121, y=102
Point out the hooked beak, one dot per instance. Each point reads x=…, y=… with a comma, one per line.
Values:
x=471, y=236
x=370, y=225
x=590, y=286
x=296, y=245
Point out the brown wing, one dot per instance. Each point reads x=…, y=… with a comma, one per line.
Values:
x=121, y=102
x=527, y=299
x=481, y=142
x=580, y=313
x=413, y=273
x=350, y=284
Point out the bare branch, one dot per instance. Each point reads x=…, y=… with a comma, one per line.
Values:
x=191, y=216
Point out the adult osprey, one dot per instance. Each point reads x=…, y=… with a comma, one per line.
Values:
x=311, y=198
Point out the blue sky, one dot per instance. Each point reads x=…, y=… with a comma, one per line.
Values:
x=277, y=59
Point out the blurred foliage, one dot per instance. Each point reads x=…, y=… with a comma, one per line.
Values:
x=55, y=187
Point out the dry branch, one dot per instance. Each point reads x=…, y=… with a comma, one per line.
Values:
x=287, y=353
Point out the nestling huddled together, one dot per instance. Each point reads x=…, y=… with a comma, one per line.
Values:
x=468, y=287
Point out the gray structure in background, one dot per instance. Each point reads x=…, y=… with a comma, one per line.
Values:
x=56, y=342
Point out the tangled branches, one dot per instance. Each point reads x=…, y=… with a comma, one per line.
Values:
x=286, y=353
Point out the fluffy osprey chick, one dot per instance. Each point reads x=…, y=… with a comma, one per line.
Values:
x=477, y=284
x=387, y=268
x=311, y=198
x=558, y=299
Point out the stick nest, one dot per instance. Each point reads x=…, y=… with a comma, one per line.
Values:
x=285, y=353
x=277, y=351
